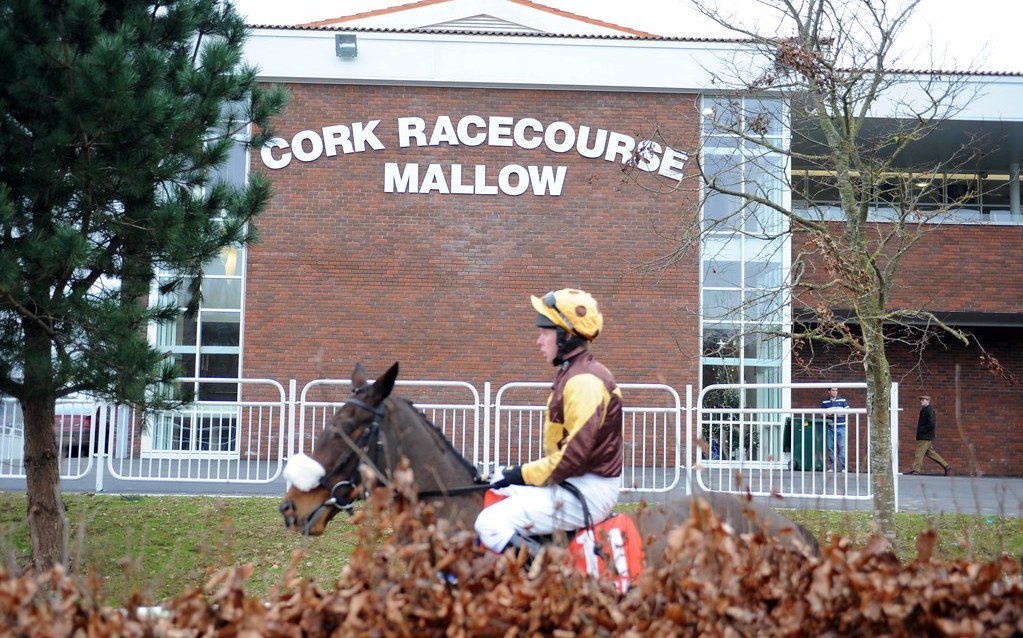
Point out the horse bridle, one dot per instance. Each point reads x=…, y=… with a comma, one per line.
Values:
x=365, y=447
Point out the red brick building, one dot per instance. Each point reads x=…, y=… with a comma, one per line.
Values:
x=428, y=180
x=441, y=281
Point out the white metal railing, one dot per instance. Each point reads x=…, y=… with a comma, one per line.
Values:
x=764, y=451
x=206, y=441
x=783, y=451
x=935, y=214
x=652, y=432
x=453, y=406
x=76, y=428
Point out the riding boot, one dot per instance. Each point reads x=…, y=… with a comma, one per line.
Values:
x=530, y=545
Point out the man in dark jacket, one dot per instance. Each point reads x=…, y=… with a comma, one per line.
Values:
x=925, y=438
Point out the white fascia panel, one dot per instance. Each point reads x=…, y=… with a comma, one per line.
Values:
x=504, y=61
x=959, y=97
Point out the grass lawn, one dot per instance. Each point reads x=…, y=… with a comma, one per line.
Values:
x=161, y=545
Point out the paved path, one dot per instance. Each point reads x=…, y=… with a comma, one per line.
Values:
x=922, y=493
x=961, y=494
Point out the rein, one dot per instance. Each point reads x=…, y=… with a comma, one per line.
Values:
x=368, y=440
x=479, y=486
x=367, y=447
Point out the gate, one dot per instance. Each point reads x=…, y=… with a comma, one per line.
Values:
x=76, y=427
x=453, y=406
x=205, y=441
x=652, y=432
x=774, y=451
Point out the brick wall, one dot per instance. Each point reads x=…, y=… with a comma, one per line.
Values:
x=347, y=273
x=954, y=268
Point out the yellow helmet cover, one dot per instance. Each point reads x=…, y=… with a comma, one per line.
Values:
x=574, y=310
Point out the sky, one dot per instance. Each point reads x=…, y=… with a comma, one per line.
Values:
x=966, y=34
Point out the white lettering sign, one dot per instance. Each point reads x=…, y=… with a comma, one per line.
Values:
x=475, y=130
x=511, y=180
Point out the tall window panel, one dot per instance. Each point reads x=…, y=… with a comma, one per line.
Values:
x=207, y=345
x=745, y=252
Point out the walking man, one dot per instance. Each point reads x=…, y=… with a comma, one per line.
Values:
x=925, y=438
x=836, y=426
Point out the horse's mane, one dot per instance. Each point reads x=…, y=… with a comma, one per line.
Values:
x=438, y=435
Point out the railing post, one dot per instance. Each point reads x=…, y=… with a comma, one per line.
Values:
x=486, y=428
x=292, y=408
x=689, y=439
x=893, y=420
x=99, y=452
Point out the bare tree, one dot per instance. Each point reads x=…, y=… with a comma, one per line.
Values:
x=818, y=104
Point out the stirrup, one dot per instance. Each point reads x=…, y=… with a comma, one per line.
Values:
x=530, y=545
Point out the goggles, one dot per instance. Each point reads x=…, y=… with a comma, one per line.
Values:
x=550, y=302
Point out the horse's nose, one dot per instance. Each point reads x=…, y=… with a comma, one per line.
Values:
x=287, y=509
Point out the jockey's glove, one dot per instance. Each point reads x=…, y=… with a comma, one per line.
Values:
x=510, y=475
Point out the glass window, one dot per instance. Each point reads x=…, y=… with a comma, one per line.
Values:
x=765, y=306
x=181, y=332
x=207, y=345
x=763, y=346
x=221, y=293
x=722, y=273
x=721, y=341
x=722, y=304
x=764, y=259
x=186, y=361
x=230, y=264
x=995, y=192
x=221, y=328
x=743, y=255
x=722, y=263
x=765, y=182
x=721, y=211
x=720, y=121
x=763, y=117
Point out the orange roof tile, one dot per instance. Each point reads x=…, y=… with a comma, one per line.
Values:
x=525, y=3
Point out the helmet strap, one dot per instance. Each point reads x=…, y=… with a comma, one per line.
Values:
x=567, y=342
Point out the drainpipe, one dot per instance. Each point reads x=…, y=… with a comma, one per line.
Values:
x=1014, y=189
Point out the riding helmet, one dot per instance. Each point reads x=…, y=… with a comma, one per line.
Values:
x=573, y=310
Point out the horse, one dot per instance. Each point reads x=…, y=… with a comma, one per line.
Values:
x=377, y=429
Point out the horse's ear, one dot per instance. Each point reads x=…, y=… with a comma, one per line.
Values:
x=358, y=376
x=382, y=387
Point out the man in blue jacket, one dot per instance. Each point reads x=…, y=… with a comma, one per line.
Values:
x=836, y=425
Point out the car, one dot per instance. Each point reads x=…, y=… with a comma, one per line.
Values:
x=73, y=424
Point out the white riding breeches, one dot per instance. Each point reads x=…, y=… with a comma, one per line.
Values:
x=532, y=510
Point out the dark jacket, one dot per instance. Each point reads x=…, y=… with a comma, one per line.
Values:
x=925, y=426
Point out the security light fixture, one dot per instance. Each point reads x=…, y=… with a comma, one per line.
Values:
x=345, y=46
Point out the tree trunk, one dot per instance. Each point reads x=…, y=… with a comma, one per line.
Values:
x=47, y=519
x=879, y=390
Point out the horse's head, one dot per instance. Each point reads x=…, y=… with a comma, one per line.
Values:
x=328, y=481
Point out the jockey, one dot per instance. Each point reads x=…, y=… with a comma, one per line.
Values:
x=582, y=435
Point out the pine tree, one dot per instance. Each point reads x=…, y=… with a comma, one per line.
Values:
x=115, y=114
